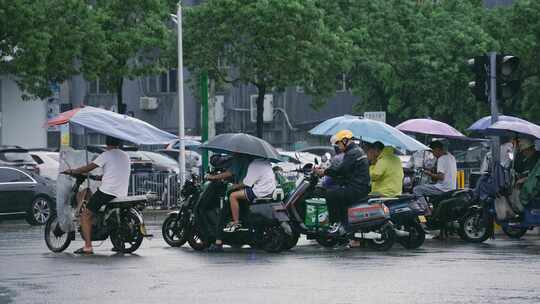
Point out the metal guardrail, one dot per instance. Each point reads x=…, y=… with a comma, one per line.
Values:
x=166, y=187
x=162, y=184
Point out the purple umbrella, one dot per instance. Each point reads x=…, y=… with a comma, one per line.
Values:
x=484, y=122
x=429, y=127
x=514, y=127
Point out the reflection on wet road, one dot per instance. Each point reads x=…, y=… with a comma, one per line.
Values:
x=499, y=271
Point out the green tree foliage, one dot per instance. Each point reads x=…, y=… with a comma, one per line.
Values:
x=135, y=34
x=410, y=57
x=269, y=43
x=46, y=41
x=517, y=28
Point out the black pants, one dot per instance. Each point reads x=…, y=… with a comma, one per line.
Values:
x=339, y=200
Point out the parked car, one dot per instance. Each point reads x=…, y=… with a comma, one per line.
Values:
x=295, y=160
x=162, y=162
x=47, y=162
x=23, y=192
x=189, y=143
x=193, y=159
x=319, y=150
x=15, y=156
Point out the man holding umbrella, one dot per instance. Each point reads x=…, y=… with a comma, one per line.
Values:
x=353, y=176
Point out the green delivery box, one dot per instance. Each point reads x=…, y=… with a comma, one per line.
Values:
x=316, y=213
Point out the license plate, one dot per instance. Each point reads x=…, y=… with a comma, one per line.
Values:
x=422, y=219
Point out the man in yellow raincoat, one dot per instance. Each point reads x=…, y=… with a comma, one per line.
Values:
x=385, y=170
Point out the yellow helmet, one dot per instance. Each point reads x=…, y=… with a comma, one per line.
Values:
x=343, y=134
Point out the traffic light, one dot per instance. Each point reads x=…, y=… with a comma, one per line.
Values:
x=480, y=86
x=507, y=84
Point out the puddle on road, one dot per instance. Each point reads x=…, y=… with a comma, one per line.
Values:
x=6, y=295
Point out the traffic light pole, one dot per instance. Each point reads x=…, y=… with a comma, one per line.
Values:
x=204, y=122
x=495, y=141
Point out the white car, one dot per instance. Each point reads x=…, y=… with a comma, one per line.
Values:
x=295, y=160
x=48, y=163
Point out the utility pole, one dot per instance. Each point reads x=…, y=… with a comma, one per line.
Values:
x=181, y=130
x=204, y=122
x=495, y=140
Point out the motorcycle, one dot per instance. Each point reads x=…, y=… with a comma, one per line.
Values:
x=457, y=211
x=120, y=220
x=514, y=218
x=405, y=214
x=204, y=210
x=367, y=219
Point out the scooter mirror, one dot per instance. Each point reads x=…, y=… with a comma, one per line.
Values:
x=324, y=158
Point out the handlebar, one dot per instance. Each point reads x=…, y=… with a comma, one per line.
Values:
x=92, y=177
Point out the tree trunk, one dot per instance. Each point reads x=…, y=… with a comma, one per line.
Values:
x=119, y=96
x=260, y=110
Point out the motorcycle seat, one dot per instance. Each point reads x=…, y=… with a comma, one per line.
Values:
x=449, y=194
x=277, y=196
x=129, y=199
x=263, y=200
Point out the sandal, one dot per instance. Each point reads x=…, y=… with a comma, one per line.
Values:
x=82, y=251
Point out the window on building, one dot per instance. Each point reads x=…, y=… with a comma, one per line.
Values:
x=152, y=84
x=343, y=83
x=97, y=87
x=163, y=83
x=173, y=80
x=102, y=88
x=340, y=83
x=93, y=87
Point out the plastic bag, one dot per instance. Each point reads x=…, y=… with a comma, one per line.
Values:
x=70, y=159
x=503, y=209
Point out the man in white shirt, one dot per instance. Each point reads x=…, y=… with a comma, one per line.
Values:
x=259, y=182
x=114, y=183
x=445, y=176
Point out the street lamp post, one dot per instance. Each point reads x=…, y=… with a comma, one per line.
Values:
x=180, y=77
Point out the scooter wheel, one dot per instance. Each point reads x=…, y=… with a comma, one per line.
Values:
x=327, y=241
x=197, y=242
x=514, y=233
x=473, y=229
x=291, y=241
x=56, y=239
x=386, y=241
x=275, y=239
x=416, y=237
x=175, y=230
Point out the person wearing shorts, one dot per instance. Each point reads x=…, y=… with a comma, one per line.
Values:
x=97, y=200
x=259, y=182
x=114, y=183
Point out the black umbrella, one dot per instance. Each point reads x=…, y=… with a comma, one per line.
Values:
x=242, y=143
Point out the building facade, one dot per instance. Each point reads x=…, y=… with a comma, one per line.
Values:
x=22, y=122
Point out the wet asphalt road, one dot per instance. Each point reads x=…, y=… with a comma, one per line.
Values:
x=499, y=271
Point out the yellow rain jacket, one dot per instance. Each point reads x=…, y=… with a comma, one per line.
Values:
x=386, y=174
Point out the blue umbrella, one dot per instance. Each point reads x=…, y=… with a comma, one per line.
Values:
x=514, y=128
x=370, y=131
x=484, y=122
